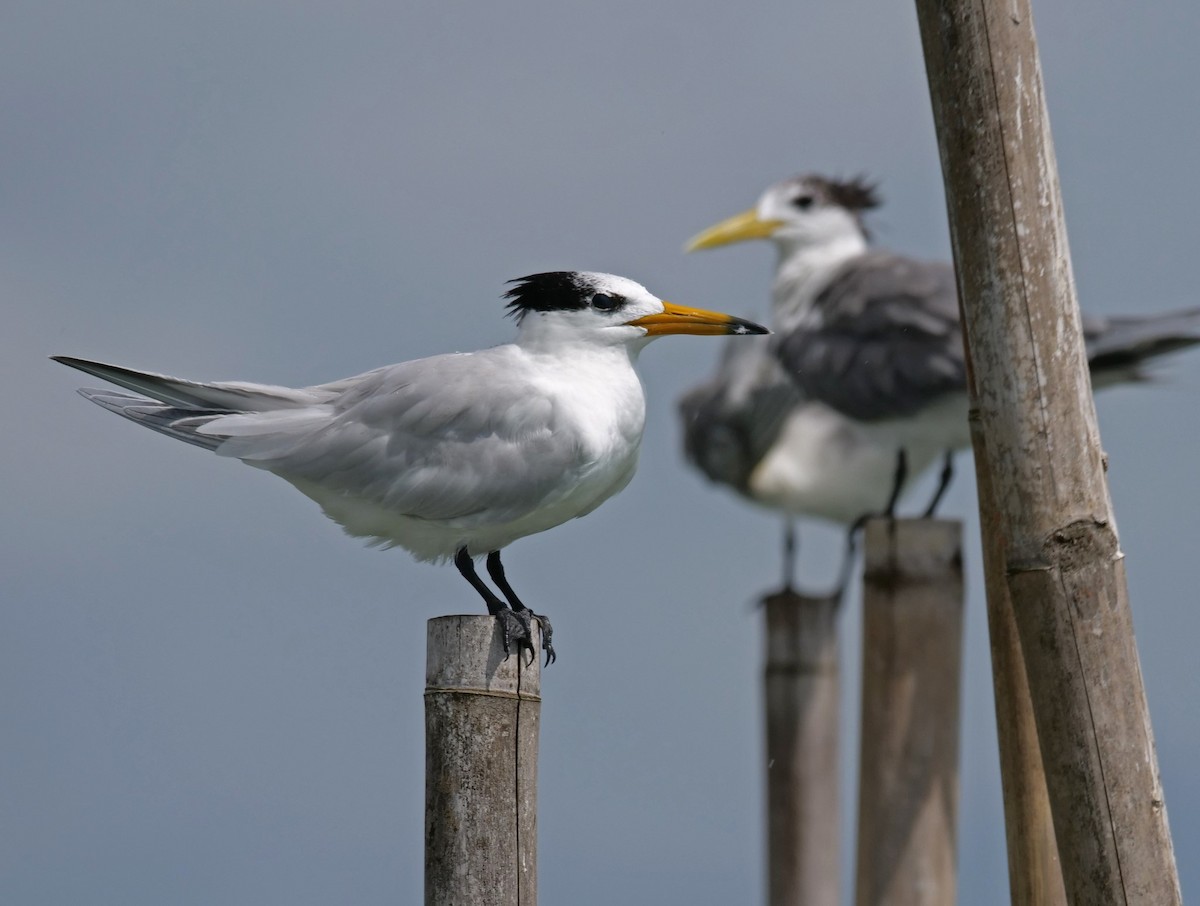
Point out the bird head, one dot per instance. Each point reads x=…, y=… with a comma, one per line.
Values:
x=604, y=309
x=802, y=212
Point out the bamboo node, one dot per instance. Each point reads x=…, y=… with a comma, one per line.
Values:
x=1081, y=544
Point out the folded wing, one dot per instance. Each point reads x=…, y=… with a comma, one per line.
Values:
x=884, y=341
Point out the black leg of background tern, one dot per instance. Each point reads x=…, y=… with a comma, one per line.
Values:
x=857, y=525
x=791, y=546
x=496, y=570
x=789, y=554
x=849, y=556
x=901, y=476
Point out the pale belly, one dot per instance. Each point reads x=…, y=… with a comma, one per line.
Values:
x=826, y=467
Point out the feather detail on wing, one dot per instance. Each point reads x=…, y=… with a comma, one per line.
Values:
x=731, y=422
x=884, y=340
x=424, y=439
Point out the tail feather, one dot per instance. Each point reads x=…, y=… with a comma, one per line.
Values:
x=173, y=421
x=186, y=410
x=229, y=396
x=1118, y=347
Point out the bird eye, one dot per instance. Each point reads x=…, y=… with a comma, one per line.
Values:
x=803, y=202
x=605, y=302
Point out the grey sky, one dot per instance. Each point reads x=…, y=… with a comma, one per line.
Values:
x=208, y=694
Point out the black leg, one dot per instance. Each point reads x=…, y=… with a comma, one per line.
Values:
x=467, y=567
x=789, y=554
x=791, y=547
x=857, y=525
x=514, y=627
x=848, y=557
x=898, y=482
x=496, y=570
x=943, y=483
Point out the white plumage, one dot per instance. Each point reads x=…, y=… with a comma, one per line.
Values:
x=453, y=456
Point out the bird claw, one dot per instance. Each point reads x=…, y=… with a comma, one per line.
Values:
x=517, y=626
x=547, y=635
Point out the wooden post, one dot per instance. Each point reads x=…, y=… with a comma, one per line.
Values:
x=802, y=698
x=481, y=744
x=1034, y=874
x=1028, y=378
x=912, y=655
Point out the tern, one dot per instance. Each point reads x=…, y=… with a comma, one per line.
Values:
x=863, y=383
x=453, y=456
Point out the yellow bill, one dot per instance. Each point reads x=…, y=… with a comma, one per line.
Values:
x=737, y=228
x=680, y=319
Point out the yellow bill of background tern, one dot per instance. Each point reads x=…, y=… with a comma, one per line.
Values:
x=453, y=456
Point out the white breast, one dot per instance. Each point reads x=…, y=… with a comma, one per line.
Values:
x=824, y=465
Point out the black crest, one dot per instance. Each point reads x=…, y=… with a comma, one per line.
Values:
x=551, y=291
x=854, y=194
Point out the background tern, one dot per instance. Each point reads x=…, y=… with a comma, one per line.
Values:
x=453, y=456
x=863, y=384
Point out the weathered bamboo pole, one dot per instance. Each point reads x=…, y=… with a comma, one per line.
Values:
x=802, y=698
x=1029, y=381
x=908, y=768
x=1034, y=874
x=481, y=742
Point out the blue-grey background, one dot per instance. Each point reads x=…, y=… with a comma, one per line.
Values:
x=207, y=693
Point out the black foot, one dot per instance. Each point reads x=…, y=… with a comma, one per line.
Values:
x=835, y=593
x=496, y=571
x=547, y=635
x=516, y=628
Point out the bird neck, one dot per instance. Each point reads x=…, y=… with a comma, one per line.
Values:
x=550, y=337
x=597, y=389
x=804, y=270
x=608, y=348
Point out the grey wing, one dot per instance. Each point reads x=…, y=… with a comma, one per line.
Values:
x=1118, y=347
x=446, y=438
x=887, y=341
x=731, y=422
